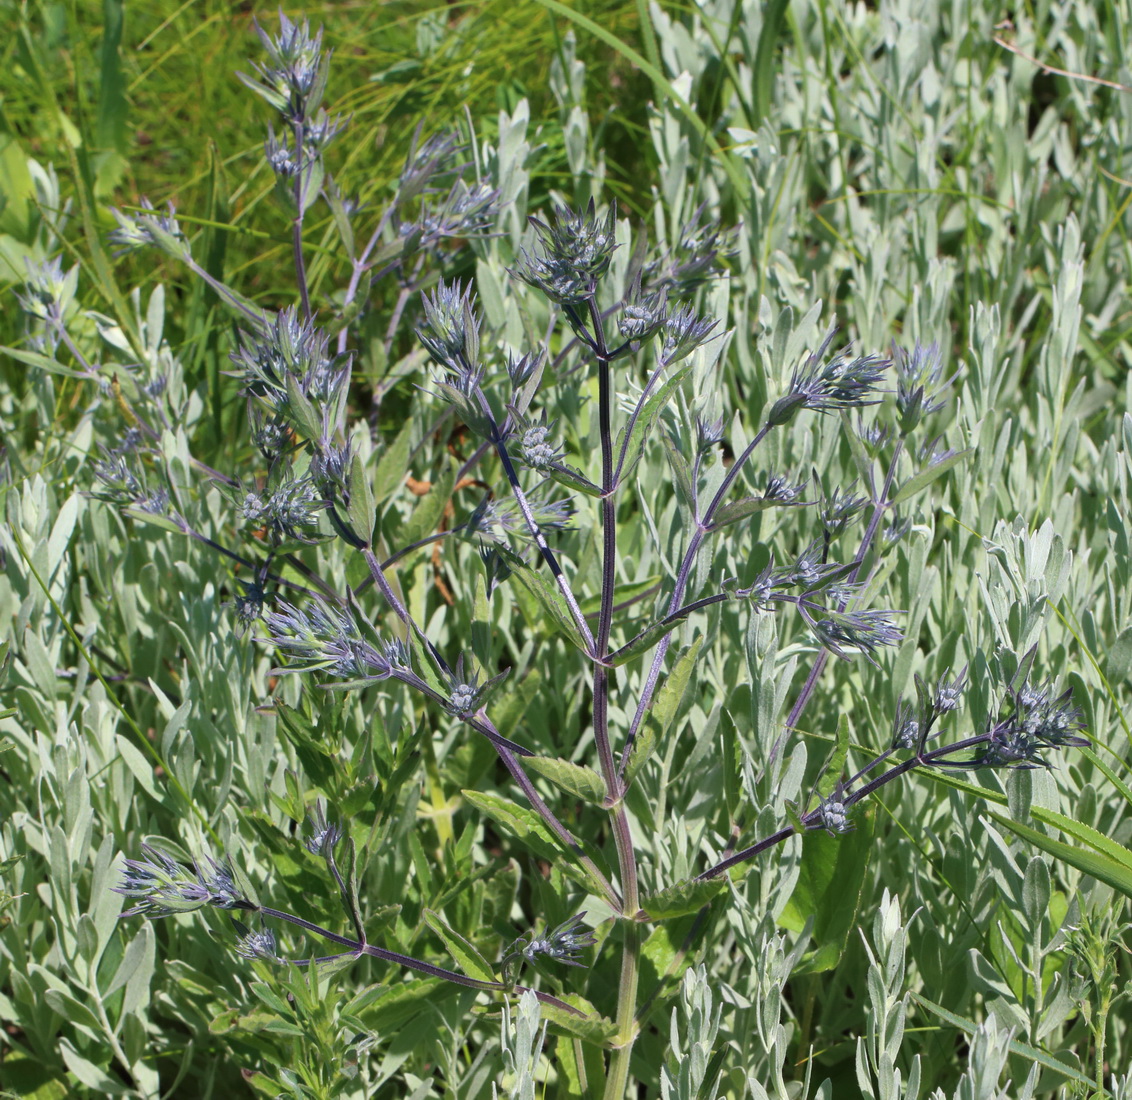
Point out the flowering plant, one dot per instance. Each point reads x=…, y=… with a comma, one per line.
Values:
x=612, y=373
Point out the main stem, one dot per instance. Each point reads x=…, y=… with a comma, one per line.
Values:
x=617, y=1078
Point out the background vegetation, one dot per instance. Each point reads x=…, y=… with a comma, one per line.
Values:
x=908, y=166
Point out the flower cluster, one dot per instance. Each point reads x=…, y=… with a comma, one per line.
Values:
x=698, y=258
x=684, y=331
x=324, y=638
x=919, y=383
x=564, y=944
x=502, y=518
x=162, y=887
x=915, y=723
x=288, y=509
x=576, y=252
x=47, y=291
x=293, y=79
x=288, y=369
x=149, y=228
x=833, y=814
x=1038, y=723
x=829, y=385
x=451, y=332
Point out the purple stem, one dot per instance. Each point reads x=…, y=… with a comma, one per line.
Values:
x=921, y=759
x=703, y=527
x=548, y=555
x=822, y=659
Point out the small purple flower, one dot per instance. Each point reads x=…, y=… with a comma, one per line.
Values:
x=324, y=834
x=565, y=944
x=256, y=945
x=162, y=887
x=833, y=815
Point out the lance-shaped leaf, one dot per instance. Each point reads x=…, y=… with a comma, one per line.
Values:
x=361, y=508
x=549, y=597
x=44, y=362
x=682, y=899
x=526, y=826
x=643, y=420
x=741, y=509
x=302, y=411
x=591, y=1027
x=573, y=479
x=350, y=895
x=142, y=515
x=834, y=767
x=663, y=711
x=392, y=464
x=467, y=957
x=575, y=779
x=924, y=478
x=1104, y=859
x=681, y=474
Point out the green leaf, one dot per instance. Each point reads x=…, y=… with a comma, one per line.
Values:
x=642, y=749
x=88, y=1073
x=139, y=766
x=573, y=479
x=1086, y=834
x=388, y=1009
x=425, y=517
x=834, y=767
x=575, y=779
x=362, y=504
x=467, y=957
x=765, y=65
x=592, y=1028
x=1119, y=660
x=1109, y=774
x=642, y=643
x=740, y=509
x=306, y=419
x=44, y=362
x=645, y=420
x=829, y=887
x=623, y=593
x=681, y=475
x=1116, y=873
x=549, y=598
x=924, y=478
x=526, y=826
x=317, y=760
x=393, y=465
x=111, y=124
x=985, y=793
x=516, y=820
x=671, y=695
x=1031, y=1054
x=164, y=523
x=72, y=1010
x=350, y=895
x=682, y=899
